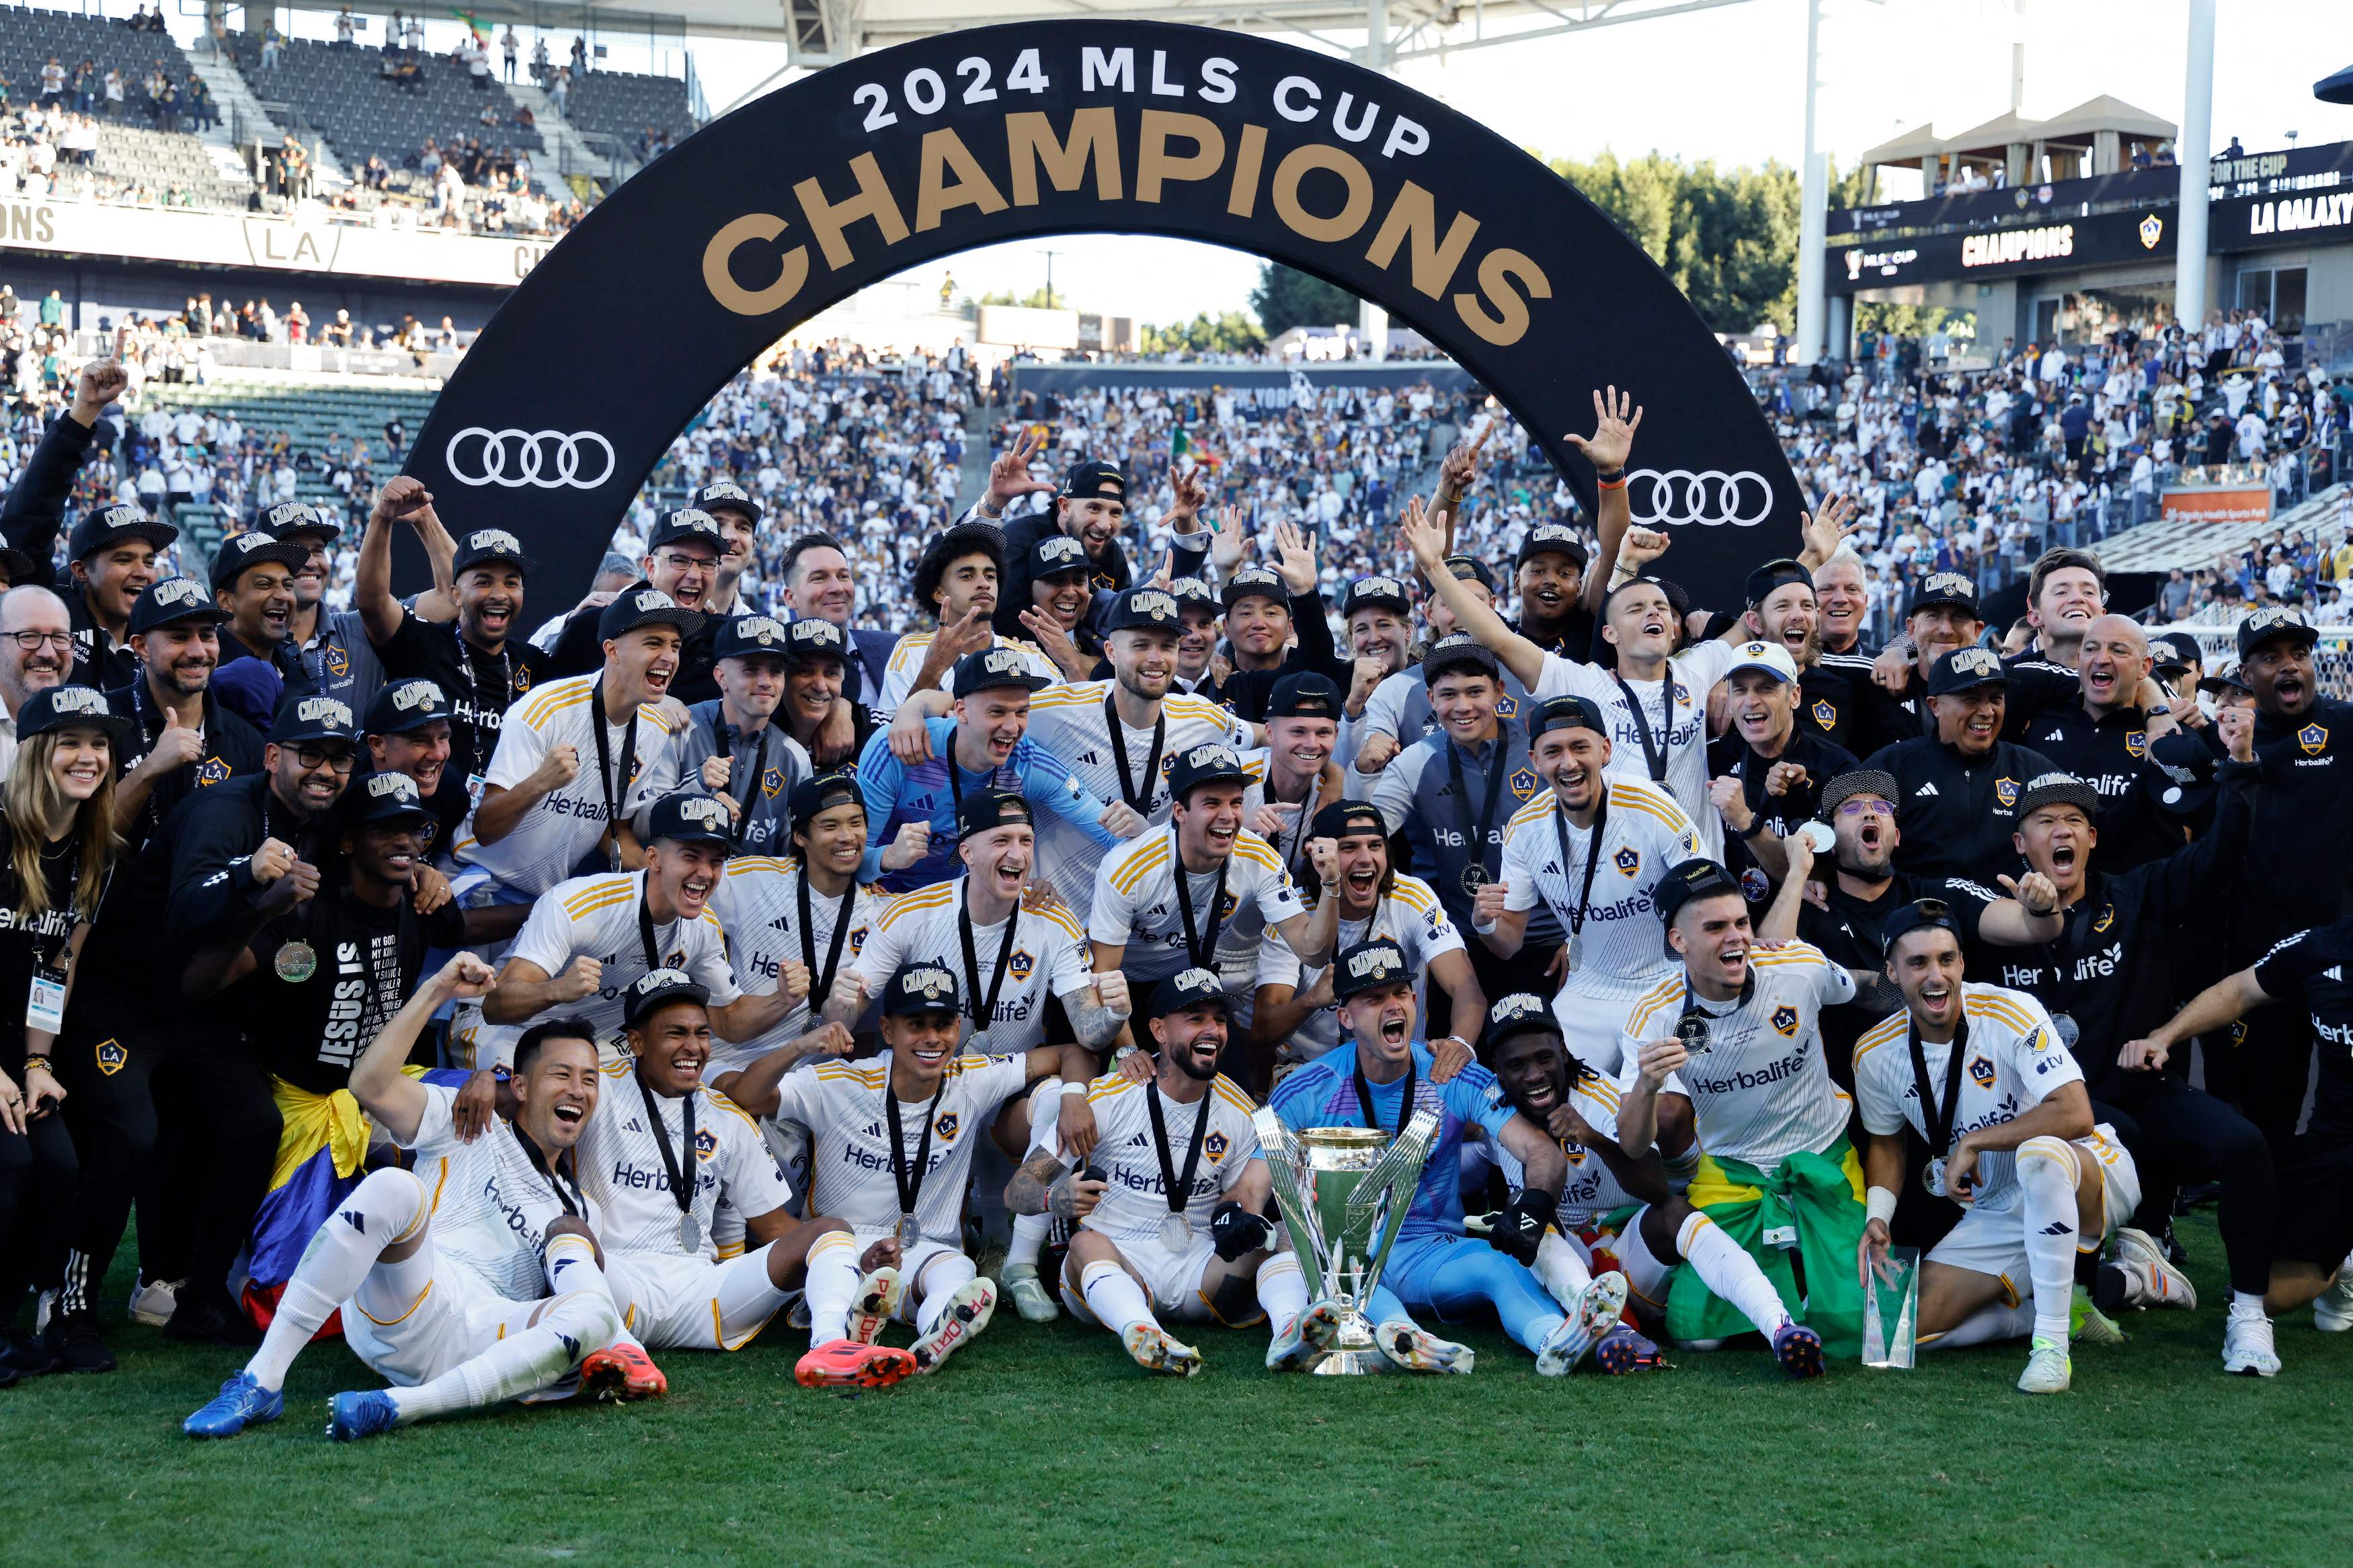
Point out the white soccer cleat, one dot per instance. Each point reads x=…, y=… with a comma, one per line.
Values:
x=967, y=1313
x=2332, y=1309
x=1416, y=1350
x=153, y=1302
x=2247, y=1343
x=2048, y=1370
x=2154, y=1280
x=877, y=1298
x=1030, y=1297
x=1149, y=1346
x=1289, y=1347
x=1597, y=1307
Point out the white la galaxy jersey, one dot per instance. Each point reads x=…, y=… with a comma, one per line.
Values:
x=1643, y=833
x=1048, y=958
x=623, y=1167
x=2012, y=1058
x=1592, y=1188
x=491, y=1207
x=1407, y=914
x=1761, y=1091
x=1694, y=673
x=907, y=662
x=1136, y=905
x=1068, y=721
x=757, y=903
x=596, y=917
x=565, y=826
x=1135, y=1200
x=850, y=1158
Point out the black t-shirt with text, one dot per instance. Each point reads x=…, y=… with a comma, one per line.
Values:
x=310, y=1032
x=480, y=686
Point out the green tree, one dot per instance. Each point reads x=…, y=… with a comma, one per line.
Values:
x=1035, y=300
x=1232, y=333
x=1287, y=298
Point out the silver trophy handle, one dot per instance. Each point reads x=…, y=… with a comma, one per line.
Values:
x=1389, y=1188
x=1285, y=1161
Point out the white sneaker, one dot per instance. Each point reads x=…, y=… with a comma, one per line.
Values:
x=967, y=1313
x=2154, y=1280
x=1596, y=1309
x=2048, y=1370
x=1030, y=1297
x=2247, y=1343
x=1149, y=1346
x=2332, y=1309
x=877, y=1298
x=153, y=1302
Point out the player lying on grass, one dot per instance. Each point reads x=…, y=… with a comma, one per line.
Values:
x=475, y=1277
x=1169, y=1210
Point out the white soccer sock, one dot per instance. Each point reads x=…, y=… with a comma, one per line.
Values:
x=2247, y=1301
x=1115, y=1297
x=1560, y=1270
x=2046, y=1178
x=571, y=1263
x=574, y=1326
x=944, y=1276
x=1723, y=1268
x=1282, y=1290
x=831, y=1288
x=1984, y=1326
x=387, y=1207
x=1029, y=1236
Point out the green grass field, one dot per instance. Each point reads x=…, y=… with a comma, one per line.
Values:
x=1046, y=1444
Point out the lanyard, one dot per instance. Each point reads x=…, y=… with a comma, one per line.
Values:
x=1477, y=847
x=910, y=1179
x=751, y=780
x=821, y=980
x=474, y=685
x=1365, y=1095
x=1200, y=951
x=983, y=1011
x=681, y=1189
x=1654, y=749
x=646, y=923
x=1937, y=1122
x=1592, y=855
x=1118, y=731
x=42, y=959
x=1177, y=1188
x=1299, y=838
x=605, y=763
x=572, y=1201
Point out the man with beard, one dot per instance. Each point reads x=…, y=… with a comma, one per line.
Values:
x=577, y=757
x=1060, y=592
x=36, y=650
x=1266, y=610
x=407, y=731
x=327, y=651
x=1768, y=770
x=183, y=740
x=1296, y=1016
x=730, y=748
x=1397, y=713
x=682, y=560
x=478, y=660
x=819, y=585
x=1960, y=785
x=1158, y=1237
x=1089, y=506
x=253, y=583
x=1116, y=734
x=2103, y=739
x=956, y=580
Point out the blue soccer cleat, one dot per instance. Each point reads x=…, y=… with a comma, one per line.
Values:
x=1799, y=1349
x=241, y=1402
x=352, y=1416
x=1625, y=1349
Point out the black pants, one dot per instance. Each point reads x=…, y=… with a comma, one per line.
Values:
x=2267, y=1072
x=220, y=1127
x=2180, y=1135
x=106, y=1059
x=37, y=1182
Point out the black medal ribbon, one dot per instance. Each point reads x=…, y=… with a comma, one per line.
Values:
x=573, y=1203
x=1405, y=1106
x=605, y=763
x=1178, y=1187
x=1202, y=951
x=822, y=981
x=682, y=1189
x=646, y=923
x=1142, y=805
x=910, y=1179
x=1476, y=846
x=1592, y=857
x=1936, y=1122
x=481, y=756
x=1654, y=747
x=44, y=961
x=751, y=780
x=983, y=1011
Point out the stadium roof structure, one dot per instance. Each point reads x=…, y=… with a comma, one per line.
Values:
x=820, y=32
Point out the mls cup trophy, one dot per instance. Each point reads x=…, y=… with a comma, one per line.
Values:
x=1343, y=1193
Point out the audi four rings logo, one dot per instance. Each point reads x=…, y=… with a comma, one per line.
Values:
x=1709, y=497
x=549, y=460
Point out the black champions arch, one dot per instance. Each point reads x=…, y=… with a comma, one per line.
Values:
x=762, y=218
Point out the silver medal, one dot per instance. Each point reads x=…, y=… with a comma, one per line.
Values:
x=2067, y=1030
x=909, y=1233
x=1576, y=952
x=1692, y=1031
x=1176, y=1232
x=690, y=1234
x=296, y=961
x=1932, y=1176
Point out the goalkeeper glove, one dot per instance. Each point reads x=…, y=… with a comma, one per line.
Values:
x=1234, y=1230
x=1521, y=1224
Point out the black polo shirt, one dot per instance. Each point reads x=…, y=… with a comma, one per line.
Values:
x=1957, y=813
x=480, y=686
x=2293, y=875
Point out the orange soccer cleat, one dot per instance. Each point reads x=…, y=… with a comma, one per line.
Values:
x=621, y=1372
x=848, y=1363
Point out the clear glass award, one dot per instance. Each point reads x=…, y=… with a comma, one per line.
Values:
x=1890, y=1309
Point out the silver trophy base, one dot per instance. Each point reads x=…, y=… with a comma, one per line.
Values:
x=1353, y=1351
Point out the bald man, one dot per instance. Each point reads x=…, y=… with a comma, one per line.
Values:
x=2103, y=739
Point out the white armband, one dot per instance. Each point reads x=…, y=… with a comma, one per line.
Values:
x=1879, y=1204
x=1074, y=1089
x=1487, y=930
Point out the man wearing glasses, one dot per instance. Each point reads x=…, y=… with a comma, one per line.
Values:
x=36, y=650
x=682, y=560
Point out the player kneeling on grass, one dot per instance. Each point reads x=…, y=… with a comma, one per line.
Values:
x=1979, y=1072
x=684, y=1178
x=892, y=1142
x=1170, y=1211
x=472, y=1278
x=1380, y=1078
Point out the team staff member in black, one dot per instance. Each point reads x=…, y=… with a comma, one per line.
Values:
x=61, y=848
x=1898, y=703
x=407, y=731
x=2103, y=739
x=253, y=583
x=1265, y=608
x=1960, y=786
x=180, y=739
x=682, y=560
x=327, y=651
x=1767, y=770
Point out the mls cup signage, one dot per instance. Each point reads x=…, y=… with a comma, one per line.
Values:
x=862, y=171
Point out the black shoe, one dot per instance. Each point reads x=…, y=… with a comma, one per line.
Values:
x=72, y=1339
x=208, y=1317
x=23, y=1356
x=9, y=1379
x=2197, y=1195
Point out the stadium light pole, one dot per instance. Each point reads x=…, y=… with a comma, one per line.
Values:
x=1813, y=201
x=2192, y=150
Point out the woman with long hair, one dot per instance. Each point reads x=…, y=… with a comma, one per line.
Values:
x=58, y=811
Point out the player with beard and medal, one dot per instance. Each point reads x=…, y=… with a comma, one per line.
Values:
x=1381, y=1079
x=1119, y=736
x=327, y=651
x=733, y=747
x=407, y=730
x=1451, y=795
x=702, y=1251
x=470, y=647
x=475, y=1277
x=1979, y=1072
x=183, y=740
x=1768, y=769
x=1295, y=774
x=1588, y=855
x=1397, y=713
x=1739, y=1026
x=894, y=1138
x=1296, y=1017
x=1171, y=1209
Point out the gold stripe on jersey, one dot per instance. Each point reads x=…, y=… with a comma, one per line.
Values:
x=1639, y=797
x=1057, y=918
x=742, y=865
x=537, y=716
x=600, y=894
x=1070, y=694
x=1255, y=767
x=1890, y=1028
x=1413, y=895
x=1794, y=953
x=1535, y=811
x=1186, y=706
x=722, y=1102
x=1600, y=1088
x=1232, y=1093
x=933, y=897
x=1110, y=1086
x=1665, y=993
x=842, y=1072
x=2002, y=1008
x=1141, y=863
x=618, y=1070
x=1249, y=846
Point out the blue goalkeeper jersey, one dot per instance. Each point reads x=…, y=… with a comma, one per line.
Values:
x=1323, y=1094
x=896, y=794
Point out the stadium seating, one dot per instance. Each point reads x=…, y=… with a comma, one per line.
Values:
x=341, y=92
x=622, y=104
x=127, y=148
x=159, y=159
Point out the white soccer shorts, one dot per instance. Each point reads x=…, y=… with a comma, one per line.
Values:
x=1995, y=1243
x=684, y=1303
